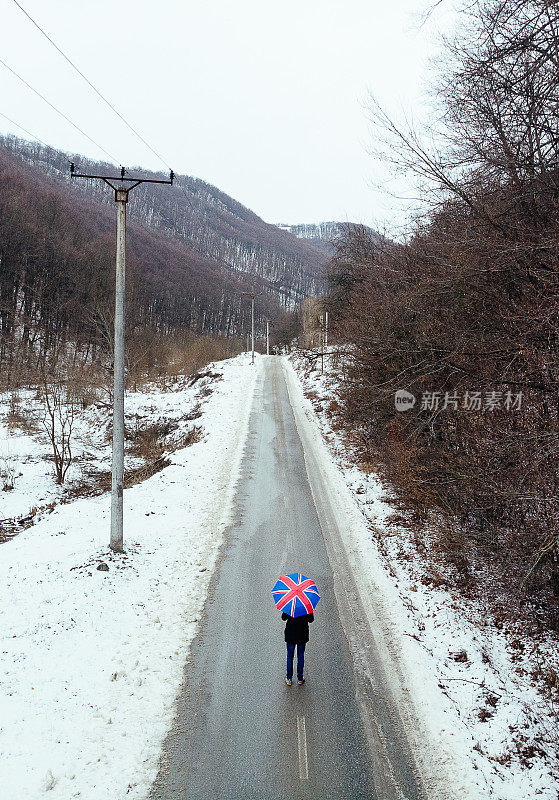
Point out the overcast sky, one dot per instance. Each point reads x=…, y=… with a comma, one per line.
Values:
x=266, y=100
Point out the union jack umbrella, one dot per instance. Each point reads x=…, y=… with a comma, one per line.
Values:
x=295, y=594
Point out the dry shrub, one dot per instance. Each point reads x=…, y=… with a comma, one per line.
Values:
x=165, y=358
x=147, y=441
x=22, y=420
x=7, y=474
x=192, y=355
x=85, y=384
x=191, y=436
x=148, y=444
x=411, y=480
x=19, y=418
x=140, y=474
x=468, y=304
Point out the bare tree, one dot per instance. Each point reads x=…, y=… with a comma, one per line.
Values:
x=469, y=303
x=58, y=422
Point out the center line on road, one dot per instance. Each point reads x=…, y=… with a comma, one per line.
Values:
x=302, y=739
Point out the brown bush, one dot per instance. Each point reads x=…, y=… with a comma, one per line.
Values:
x=147, y=442
x=469, y=303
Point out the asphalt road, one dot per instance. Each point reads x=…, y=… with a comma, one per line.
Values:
x=240, y=732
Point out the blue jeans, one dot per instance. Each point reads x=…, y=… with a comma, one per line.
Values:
x=300, y=660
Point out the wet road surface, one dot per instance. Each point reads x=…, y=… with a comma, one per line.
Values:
x=240, y=732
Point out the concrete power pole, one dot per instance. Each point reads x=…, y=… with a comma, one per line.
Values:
x=326, y=331
x=267, y=337
x=321, y=334
x=117, y=485
x=121, y=186
x=252, y=295
x=252, y=318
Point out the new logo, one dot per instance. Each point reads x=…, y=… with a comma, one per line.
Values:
x=404, y=400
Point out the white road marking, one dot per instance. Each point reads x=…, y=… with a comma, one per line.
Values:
x=302, y=738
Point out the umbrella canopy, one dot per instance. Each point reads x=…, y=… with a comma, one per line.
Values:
x=295, y=594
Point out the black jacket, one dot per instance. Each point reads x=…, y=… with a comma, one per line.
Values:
x=297, y=630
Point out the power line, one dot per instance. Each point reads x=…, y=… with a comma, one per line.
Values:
x=89, y=83
x=58, y=111
x=23, y=129
x=104, y=99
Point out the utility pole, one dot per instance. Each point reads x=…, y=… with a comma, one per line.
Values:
x=252, y=295
x=252, y=324
x=267, y=337
x=122, y=187
x=326, y=331
x=322, y=342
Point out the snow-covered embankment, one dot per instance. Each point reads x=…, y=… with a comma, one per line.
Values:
x=485, y=726
x=91, y=661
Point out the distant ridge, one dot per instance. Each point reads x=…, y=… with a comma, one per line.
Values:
x=320, y=234
x=230, y=237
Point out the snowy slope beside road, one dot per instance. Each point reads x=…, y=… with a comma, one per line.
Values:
x=91, y=661
x=481, y=695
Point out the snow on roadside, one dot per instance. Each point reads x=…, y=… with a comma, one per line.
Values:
x=26, y=452
x=90, y=660
x=480, y=695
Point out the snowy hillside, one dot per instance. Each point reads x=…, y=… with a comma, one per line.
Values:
x=219, y=237
x=320, y=234
x=93, y=643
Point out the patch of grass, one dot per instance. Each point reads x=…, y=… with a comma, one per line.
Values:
x=191, y=436
x=99, y=482
x=22, y=420
x=147, y=441
x=140, y=474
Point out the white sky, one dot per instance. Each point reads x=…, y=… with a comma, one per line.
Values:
x=264, y=100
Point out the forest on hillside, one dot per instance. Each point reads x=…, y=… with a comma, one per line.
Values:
x=212, y=225
x=190, y=257
x=322, y=234
x=57, y=280
x=464, y=317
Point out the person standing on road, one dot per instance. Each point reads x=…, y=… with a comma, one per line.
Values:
x=296, y=636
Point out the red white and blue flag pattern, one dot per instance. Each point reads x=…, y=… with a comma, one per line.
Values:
x=295, y=594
